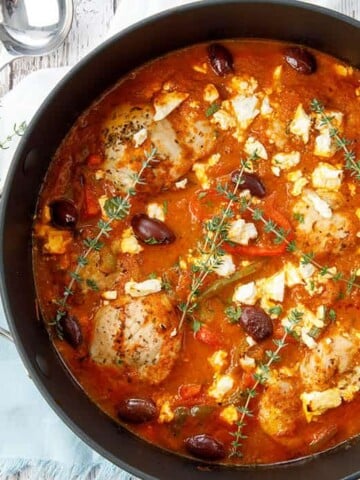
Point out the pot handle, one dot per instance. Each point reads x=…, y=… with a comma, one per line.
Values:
x=6, y=334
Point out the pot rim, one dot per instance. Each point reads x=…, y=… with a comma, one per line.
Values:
x=16, y=164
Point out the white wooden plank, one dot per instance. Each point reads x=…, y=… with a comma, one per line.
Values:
x=349, y=7
x=91, y=22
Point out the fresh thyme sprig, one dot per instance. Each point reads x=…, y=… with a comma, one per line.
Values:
x=281, y=236
x=116, y=208
x=211, y=252
x=18, y=131
x=261, y=377
x=342, y=143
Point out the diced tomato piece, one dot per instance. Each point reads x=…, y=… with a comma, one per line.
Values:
x=92, y=207
x=190, y=390
x=207, y=336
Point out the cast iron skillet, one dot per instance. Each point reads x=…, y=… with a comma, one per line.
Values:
x=198, y=22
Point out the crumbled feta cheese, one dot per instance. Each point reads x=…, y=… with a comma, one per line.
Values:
x=241, y=232
x=245, y=109
x=140, y=137
x=317, y=403
x=245, y=293
x=301, y=123
x=109, y=295
x=229, y=414
x=181, y=184
x=299, y=182
x=210, y=93
x=307, y=339
x=250, y=341
x=218, y=360
x=293, y=176
x=213, y=159
x=266, y=108
x=129, y=243
x=200, y=173
x=307, y=270
x=320, y=205
x=141, y=289
x=292, y=276
x=55, y=241
x=226, y=268
x=299, y=186
x=223, y=119
x=242, y=85
x=154, y=210
x=221, y=385
x=323, y=145
x=309, y=321
x=253, y=146
x=276, y=171
x=247, y=363
x=167, y=102
x=326, y=176
x=166, y=415
x=286, y=161
x=272, y=287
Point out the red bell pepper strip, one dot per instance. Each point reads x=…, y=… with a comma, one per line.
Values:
x=254, y=250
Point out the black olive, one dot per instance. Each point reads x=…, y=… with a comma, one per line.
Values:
x=137, y=410
x=300, y=60
x=256, y=323
x=205, y=447
x=151, y=231
x=71, y=330
x=251, y=182
x=63, y=214
x=220, y=59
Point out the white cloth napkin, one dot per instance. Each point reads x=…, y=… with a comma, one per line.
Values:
x=31, y=436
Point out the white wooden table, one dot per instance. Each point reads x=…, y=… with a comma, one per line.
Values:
x=91, y=22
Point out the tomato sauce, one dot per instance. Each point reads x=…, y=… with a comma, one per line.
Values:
x=177, y=369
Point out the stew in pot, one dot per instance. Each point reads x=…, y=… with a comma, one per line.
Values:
x=197, y=257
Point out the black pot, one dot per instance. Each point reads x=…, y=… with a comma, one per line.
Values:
x=199, y=22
